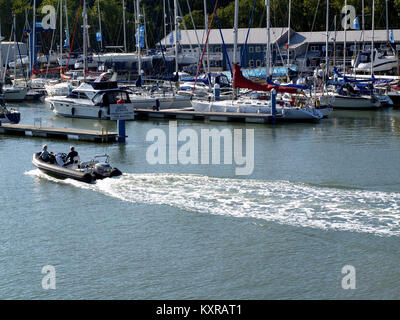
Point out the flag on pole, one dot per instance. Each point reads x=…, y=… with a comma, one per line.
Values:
x=356, y=24
x=140, y=37
x=66, y=41
x=391, y=36
x=98, y=36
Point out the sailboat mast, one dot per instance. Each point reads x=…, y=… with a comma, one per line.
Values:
x=84, y=40
x=61, y=29
x=345, y=34
x=387, y=22
x=268, y=51
x=235, y=31
x=164, y=21
x=206, y=32
x=15, y=45
x=1, y=55
x=327, y=40
x=124, y=23
x=33, y=44
x=334, y=42
x=176, y=34
x=101, y=32
x=288, y=41
x=138, y=39
x=363, y=24
x=66, y=21
x=372, y=40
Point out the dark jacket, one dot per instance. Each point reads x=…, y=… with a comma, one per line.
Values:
x=71, y=156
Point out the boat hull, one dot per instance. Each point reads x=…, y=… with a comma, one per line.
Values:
x=258, y=107
x=61, y=172
x=68, y=109
x=355, y=103
x=14, y=94
x=151, y=102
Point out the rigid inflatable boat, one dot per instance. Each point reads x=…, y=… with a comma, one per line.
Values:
x=88, y=172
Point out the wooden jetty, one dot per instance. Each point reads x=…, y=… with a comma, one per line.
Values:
x=58, y=133
x=190, y=114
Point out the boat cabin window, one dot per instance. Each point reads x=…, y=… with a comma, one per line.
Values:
x=82, y=95
x=77, y=95
x=73, y=95
x=107, y=98
x=365, y=57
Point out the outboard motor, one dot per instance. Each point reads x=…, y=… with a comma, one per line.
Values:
x=102, y=169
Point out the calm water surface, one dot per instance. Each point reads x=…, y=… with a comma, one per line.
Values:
x=321, y=196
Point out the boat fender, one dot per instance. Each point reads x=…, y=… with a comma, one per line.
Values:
x=157, y=105
x=99, y=114
x=72, y=111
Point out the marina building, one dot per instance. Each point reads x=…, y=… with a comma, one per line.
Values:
x=304, y=47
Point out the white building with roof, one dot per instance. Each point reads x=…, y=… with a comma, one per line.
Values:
x=302, y=44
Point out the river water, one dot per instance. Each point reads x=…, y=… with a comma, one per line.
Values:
x=322, y=196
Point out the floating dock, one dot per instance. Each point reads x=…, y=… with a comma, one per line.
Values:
x=58, y=133
x=190, y=114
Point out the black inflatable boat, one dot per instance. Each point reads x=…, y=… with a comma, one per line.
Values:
x=82, y=171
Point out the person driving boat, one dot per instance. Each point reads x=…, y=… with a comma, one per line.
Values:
x=71, y=156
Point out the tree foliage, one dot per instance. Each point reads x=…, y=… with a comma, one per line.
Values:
x=306, y=15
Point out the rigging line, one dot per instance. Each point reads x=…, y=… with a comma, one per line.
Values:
x=19, y=53
x=158, y=37
x=204, y=48
x=312, y=29
x=248, y=32
x=51, y=45
x=73, y=36
x=184, y=25
x=223, y=41
x=194, y=26
x=8, y=54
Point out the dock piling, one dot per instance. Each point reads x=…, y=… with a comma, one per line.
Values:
x=121, y=131
x=273, y=105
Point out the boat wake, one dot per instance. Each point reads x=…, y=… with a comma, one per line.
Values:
x=283, y=202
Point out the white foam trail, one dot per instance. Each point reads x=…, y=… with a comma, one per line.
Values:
x=283, y=202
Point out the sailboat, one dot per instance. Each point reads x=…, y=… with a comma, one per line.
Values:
x=10, y=91
x=374, y=60
x=290, y=111
x=157, y=100
x=344, y=90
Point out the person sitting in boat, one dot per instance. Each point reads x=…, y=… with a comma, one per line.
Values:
x=46, y=156
x=71, y=156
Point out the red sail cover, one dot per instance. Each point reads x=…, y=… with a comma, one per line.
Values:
x=45, y=70
x=239, y=81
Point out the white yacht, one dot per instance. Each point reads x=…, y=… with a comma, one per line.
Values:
x=159, y=101
x=14, y=94
x=90, y=100
x=383, y=62
x=63, y=88
x=285, y=109
x=346, y=99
